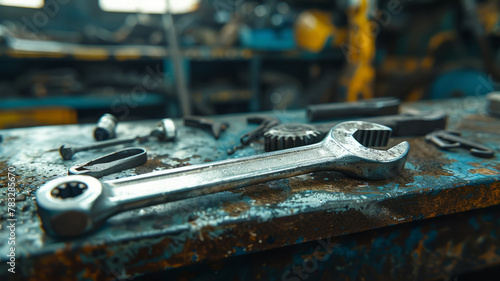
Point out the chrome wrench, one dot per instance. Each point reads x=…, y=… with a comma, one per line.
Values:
x=88, y=202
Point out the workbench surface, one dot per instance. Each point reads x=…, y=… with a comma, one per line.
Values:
x=251, y=219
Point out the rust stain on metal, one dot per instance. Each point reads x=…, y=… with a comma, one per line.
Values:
x=496, y=167
x=427, y=158
x=182, y=162
x=263, y=194
x=484, y=171
x=464, y=198
x=488, y=166
x=3, y=167
x=323, y=181
x=479, y=123
x=149, y=166
x=156, y=162
x=235, y=209
x=70, y=260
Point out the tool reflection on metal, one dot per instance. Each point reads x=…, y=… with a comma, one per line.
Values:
x=165, y=131
x=449, y=140
x=112, y=163
x=365, y=108
x=90, y=202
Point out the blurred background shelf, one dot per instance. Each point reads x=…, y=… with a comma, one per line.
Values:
x=228, y=56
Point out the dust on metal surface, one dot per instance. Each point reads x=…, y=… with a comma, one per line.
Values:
x=250, y=219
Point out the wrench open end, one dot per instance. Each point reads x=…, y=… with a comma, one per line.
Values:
x=65, y=205
x=358, y=137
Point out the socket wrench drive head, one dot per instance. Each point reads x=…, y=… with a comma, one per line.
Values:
x=74, y=205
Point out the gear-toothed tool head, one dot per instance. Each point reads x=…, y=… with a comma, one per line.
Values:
x=290, y=135
x=357, y=138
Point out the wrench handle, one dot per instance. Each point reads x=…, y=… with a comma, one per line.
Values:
x=192, y=181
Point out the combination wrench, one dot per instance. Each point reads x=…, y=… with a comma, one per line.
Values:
x=74, y=205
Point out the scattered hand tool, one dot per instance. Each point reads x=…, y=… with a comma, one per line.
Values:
x=111, y=163
x=448, y=140
x=89, y=202
x=494, y=103
x=265, y=123
x=364, y=108
x=106, y=127
x=67, y=151
x=403, y=125
x=291, y=135
x=216, y=128
x=165, y=131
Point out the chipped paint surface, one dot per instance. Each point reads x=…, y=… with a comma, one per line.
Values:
x=241, y=221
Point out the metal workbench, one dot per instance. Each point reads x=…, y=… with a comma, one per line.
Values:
x=439, y=218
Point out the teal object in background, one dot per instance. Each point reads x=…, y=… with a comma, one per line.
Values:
x=267, y=39
x=461, y=83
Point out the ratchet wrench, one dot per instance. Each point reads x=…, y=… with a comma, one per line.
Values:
x=88, y=202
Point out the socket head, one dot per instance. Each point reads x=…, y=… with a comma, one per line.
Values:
x=66, y=152
x=65, y=205
x=106, y=127
x=165, y=130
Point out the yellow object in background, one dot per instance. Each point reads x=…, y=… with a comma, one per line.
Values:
x=360, y=72
x=314, y=28
x=489, y=15
x=37, y=117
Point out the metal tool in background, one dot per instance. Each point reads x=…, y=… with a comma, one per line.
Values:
x=403, y=125
x=106, y=127
x=112, y=163
x=493, y=106
x=448, y=140
x=364, y=108
x=165, y=131
x=214, y=127
x=177, y=58
x=90, y=201
x=265, y=124
x=290, y=135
